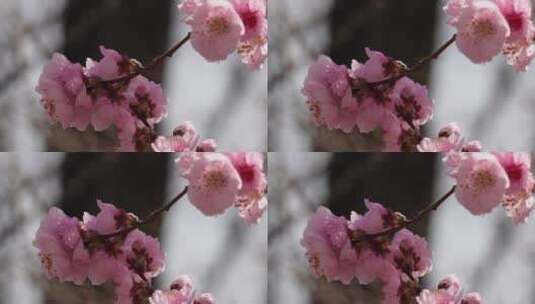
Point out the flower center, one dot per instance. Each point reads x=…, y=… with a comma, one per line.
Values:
x=515, y=21
x=215, y=180
x=140, y=261
x=484, y=28
x=50, y=109
x=218, y=26
x=249, y=19
x=314, y=262
x=514, y=172
x=246, y=173
x=46, y=261
x=484, y=179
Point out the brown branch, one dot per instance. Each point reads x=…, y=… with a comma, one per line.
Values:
x=432, y=207
x=154, y=63
x=152, y=216
x=420, y=64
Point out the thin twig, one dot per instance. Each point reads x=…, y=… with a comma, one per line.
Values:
x=154, y=214
x=154, y=63
x=432, y=207
x=420, y=64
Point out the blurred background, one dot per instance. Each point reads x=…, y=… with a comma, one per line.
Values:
x=219, y=98
x=488, y=253
x=222, y=255
x=491, y=102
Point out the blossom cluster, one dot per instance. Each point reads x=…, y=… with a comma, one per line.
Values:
x=218, y=181
x=378, y=245
x=112, y=91
x=448, y=291
x=486, y=28
x=486, y=180
x=77, y=251
x=450, y=139
x=342, y=250
x=184, y=139
x=357, y=99
x=222, y=27
x=77, y=97
x=379, y=95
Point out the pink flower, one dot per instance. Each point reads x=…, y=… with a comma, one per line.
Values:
x=372, y=112
x=185, y=139
x=519, y=206
x=518, y=16
x=451, y=285
x=454, y=9
x=472, y=146
x=108, y=100
x=392, y=133
x=519, y=50
x=250, y=166
x=142, y=254
x=328, y=247
x=254, y=52
x=253, y=47
x=133, y=135
x=132, y=290
x=330, y=99
x=207, y=145
x=214, y=183
x=373, y=115
x=252, y=208
x=449, y=139
x=481, y=182
x=472, y=298
x=371, y=253
x=112, y=65
x=188, y=7
x=181, y=293
x=482, y=31
x=146, y=100
x=398, y=288
x=63, y=93
x=105, y=113
x=109, y=220
x=105, y=266
x=435, y=297
x=104, y=253
x=204, y=298
x=168, y=297
x=216, y=27
x=448, y=291
x=378, y=67
x=61, y=248
x=253, y=16
x=410, y=253
x=252, y=199
x=517, y=165
x=411, y=102
x=185, y=163
x=519, y=55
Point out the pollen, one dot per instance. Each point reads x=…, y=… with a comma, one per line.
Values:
x=483, y=179
x=215, y=180
x=218, y=26
x=46, y=261
x=484, y=28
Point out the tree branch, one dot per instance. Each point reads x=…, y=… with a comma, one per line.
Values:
x=420, y=64
x=152, y=216
x=432, y=207
x=154, y=63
